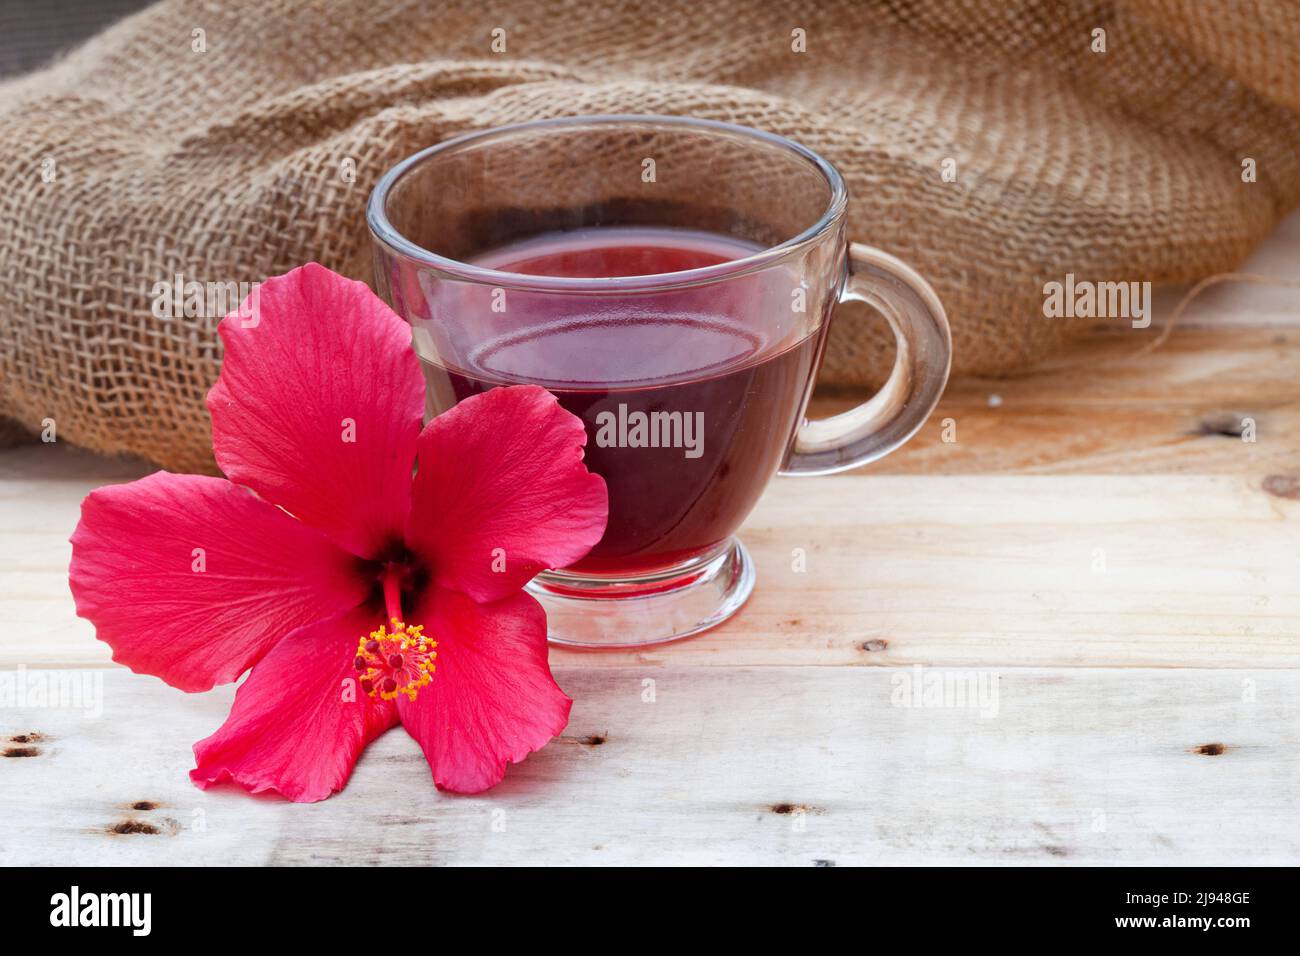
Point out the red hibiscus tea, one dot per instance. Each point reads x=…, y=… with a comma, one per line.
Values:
x=690, y=397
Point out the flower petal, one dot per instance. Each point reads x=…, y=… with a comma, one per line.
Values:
x=492, y=700
x=501, y=492
x=318, y=406
x=300, y=721
x=192, y=579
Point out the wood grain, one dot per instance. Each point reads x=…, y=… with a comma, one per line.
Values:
x=1168, y=571
x=794, y=766
x=1099, y=539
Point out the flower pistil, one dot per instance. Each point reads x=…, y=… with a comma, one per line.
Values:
x=397, y=661
x=400, y=661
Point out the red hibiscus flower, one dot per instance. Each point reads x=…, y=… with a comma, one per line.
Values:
x=359, y=596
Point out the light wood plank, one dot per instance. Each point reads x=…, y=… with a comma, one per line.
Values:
x=1198, y=571
x=1179, y=410
x=765, y=766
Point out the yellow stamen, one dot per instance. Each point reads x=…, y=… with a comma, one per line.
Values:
x=397, y=661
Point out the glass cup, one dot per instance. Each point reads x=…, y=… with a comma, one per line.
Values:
x=670, y=281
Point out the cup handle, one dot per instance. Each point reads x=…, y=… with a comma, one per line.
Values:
x=924, y=356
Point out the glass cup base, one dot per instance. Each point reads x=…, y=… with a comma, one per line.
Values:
x=590, y=612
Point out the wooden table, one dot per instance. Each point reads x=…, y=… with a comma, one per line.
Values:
x=1098, y=548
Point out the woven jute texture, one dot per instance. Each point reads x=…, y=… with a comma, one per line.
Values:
x=157, y=150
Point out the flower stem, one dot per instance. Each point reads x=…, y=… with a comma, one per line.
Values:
x=393, y=590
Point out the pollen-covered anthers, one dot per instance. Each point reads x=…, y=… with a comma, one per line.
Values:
x=395, y=662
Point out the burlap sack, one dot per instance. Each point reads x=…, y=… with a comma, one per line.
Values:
x=214, y=141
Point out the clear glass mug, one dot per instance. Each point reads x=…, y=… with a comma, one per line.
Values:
x=671, y=281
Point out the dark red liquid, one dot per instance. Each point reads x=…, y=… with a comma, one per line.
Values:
x=727, y=358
